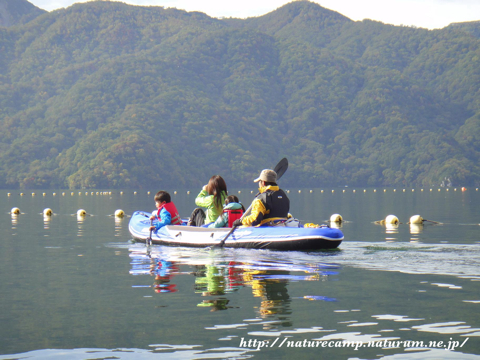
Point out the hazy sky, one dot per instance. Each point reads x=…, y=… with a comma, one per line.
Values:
x=431, y=14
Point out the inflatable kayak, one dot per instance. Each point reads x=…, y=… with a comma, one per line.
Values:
x=263, y=237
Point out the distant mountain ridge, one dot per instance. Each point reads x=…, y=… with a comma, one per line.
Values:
x=103, y=94
x=302, y=20
x=13, y=12
x=472, y=27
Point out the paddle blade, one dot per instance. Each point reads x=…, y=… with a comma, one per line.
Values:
x=281, y=167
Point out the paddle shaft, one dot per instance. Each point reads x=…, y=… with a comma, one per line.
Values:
x=249, y=208
x=149, y=239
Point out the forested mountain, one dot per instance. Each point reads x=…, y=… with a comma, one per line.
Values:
x=13, y=12
x=104, y=94
x=472, y=27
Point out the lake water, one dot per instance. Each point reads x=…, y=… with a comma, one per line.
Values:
x=79, y=288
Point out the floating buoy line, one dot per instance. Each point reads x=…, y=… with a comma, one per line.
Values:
x=300, y=191
x=336, y=220
x=414, y=220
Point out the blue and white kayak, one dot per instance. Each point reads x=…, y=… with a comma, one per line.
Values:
x=263, y=237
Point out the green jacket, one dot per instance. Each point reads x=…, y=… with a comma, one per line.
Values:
x=206, y=201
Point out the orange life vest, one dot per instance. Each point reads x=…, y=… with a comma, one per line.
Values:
x=172, y=209
x=233, y=215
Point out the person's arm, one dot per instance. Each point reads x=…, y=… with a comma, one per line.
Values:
x=221, y=221
x=165, y=219
x=203, y=199
x=256, y=215
x=154, y=215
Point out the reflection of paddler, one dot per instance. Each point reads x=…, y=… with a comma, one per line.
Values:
x=257, y=286
x=162, y=270
x=215, y=304
x=270, y=307
x=274, y=294
x=162, y=285
x=234, y=278
x=213, y=283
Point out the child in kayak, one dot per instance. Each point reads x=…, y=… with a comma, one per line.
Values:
x=232, y=210
x=166, y=214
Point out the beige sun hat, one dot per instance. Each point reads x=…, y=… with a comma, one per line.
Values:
x=267, y=175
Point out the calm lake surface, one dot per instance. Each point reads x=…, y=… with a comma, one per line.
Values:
x=79, y=288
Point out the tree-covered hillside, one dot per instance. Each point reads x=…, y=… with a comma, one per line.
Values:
x=14, y=12
x=104, y=94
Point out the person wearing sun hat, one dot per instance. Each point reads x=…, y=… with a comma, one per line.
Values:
x=270, y=206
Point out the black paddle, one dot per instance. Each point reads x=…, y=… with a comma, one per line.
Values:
x=280, y=169
x=148, y=241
